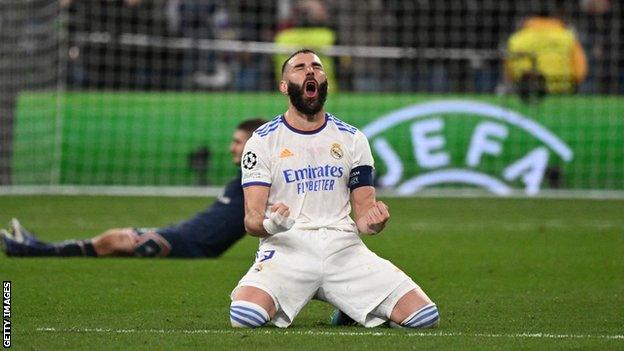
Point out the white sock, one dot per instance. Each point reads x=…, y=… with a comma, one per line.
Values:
x=425, y=317
x=244, y=314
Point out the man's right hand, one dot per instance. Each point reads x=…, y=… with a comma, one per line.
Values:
x=278, y=220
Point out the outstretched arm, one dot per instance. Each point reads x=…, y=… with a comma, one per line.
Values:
x=371, y=215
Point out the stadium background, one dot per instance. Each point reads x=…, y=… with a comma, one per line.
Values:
x=143, y=93
x=140, y=97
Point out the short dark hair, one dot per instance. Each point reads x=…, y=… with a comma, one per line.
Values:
x=302, y=51
x=249, y=125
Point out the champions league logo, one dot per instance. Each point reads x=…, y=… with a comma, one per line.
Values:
x=525, y=165
x=249, y=160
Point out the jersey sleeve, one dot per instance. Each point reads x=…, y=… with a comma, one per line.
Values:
x=255, y=163
x=362, y=155
x=361, y=173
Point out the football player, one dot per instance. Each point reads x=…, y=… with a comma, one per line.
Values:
x=207, y=234
x=302, y=174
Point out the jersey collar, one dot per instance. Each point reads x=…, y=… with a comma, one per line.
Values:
x=305, y=132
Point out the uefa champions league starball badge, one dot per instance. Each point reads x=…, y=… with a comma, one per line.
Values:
x=249, y=160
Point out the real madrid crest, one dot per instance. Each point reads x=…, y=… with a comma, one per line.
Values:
x=336, y=151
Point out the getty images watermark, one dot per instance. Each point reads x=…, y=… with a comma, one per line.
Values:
x=6, y=314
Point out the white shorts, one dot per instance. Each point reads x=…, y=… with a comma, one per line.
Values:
x=331, y=265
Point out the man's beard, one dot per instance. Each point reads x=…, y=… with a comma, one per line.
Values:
x=308, y=107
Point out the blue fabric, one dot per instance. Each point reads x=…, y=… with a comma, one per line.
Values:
x=360, y=176
x=247, y=314
x=212, y=231
x=425, y=318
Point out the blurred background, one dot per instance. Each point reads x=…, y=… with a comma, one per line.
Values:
x=498, y=96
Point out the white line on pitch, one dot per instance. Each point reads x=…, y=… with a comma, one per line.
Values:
x=333, y=333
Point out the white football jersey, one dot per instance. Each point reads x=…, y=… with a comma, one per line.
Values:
x=307, y=170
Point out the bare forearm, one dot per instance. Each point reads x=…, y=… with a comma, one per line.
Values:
x=370, y=215
x=255, y=206
x=253, y=224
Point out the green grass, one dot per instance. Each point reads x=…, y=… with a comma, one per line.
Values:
x=496, y=267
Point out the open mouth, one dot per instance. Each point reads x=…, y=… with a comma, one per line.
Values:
x=310, y=88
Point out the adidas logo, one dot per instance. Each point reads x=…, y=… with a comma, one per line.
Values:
x=286, y=153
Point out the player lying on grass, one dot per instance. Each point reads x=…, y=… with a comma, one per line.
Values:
x=207, y=234
x=301, y=173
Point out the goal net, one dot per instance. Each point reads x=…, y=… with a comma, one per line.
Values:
x=501, y=96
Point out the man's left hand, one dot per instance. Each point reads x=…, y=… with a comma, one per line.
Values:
x=375, y=219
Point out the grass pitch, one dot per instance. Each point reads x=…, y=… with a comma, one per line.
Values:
x=505, y=273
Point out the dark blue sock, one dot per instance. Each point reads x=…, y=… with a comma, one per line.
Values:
x=64, y=249
x=75, y=248
x=14, y=248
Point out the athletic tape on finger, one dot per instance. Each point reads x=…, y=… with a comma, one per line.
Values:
x=277, y=223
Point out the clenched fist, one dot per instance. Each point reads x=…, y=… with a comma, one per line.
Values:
x=375, y=219
x=278, y=220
